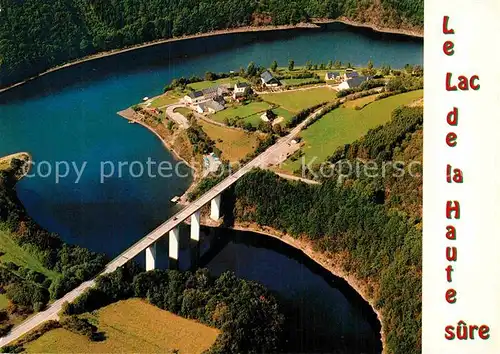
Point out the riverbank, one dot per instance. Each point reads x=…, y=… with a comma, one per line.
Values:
x=174, y=143
x=315, y=24
x=331, y=262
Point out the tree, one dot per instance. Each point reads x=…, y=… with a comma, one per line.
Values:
x=209, y=76
x=330, y=64
x=291, y=65
x=274, y=66
x=308, y=65
x=370, y=65
x=322, y=66
x=338, y=64
x=349, y=65
x=409, y=68
x=251, y=69
x=386, y=70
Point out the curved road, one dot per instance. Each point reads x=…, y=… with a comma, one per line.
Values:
x=177, y=117
x=52, y=311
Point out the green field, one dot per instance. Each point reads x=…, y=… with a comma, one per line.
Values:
x=235, y=144
x=131, y=326
x=241, y=111
x=345, y=125
x=360, y=102
x=206, y=84
x=18, y=255
x=295, y=101
x=183, y=110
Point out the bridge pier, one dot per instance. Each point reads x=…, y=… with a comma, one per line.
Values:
x=151, y=257
x=215, y=208
x=173, y=247
x=195, y=226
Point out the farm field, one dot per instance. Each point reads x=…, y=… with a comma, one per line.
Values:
x=206, y=84
x=345, y=125
x=131, y=326
x=360, y=102
x=295, y=101
x=235, y=144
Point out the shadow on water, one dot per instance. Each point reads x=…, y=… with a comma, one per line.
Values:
x=324, y=314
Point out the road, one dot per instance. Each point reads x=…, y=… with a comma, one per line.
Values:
x=177, y=117
x=261, y=160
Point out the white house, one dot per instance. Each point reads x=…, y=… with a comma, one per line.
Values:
x=332, y=76
x=351, y=83
x=269, y=80
x=194, y=97
x=210, y=106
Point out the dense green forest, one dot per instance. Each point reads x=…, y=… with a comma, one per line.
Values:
x=36, y=35
x=373, y=222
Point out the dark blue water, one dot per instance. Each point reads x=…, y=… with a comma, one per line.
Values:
x=71, y=116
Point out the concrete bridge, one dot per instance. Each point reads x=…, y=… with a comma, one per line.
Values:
x=277, y=152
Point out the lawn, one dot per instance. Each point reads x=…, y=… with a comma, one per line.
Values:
x=18, y=255
x=132, y=326
x=206, y=84
x=241, y=111
x=345, y=125
x=292, y=82
x=295, y=101
x=166, y=99
x=235, y=144
x=183, y=110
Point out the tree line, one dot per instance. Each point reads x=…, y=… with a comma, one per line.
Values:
x=247, y=314
x=36, y=35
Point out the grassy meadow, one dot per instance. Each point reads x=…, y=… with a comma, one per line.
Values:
x=295, y=101
x=235, y=144
x=131, y=326
x=345, y=125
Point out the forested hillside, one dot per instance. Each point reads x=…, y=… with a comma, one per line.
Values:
x=36, y=35
x=371, y=224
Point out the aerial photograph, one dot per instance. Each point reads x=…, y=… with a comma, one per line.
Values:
x=211, y=176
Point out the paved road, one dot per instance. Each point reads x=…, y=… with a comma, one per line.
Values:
x=52, y=311
x=177, y=117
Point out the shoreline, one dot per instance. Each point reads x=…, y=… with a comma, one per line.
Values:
x=129, y=114
x=316, y=24
x=321, y=260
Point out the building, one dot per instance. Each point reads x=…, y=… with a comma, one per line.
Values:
x=210, y=106
x=194, y=97
x=353, y=82
x=350, y=74
x=269, y=80
x=241, y=89
x=333, y=76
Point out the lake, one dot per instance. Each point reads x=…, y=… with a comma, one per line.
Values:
x=68, y=119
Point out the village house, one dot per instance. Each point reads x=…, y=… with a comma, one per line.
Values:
x=350, y=74
x=194, y=97
x=269, y=80
x=240, y=90
x=210, y=106
x=206, y=94
x=353, y=82
x=333, y=76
